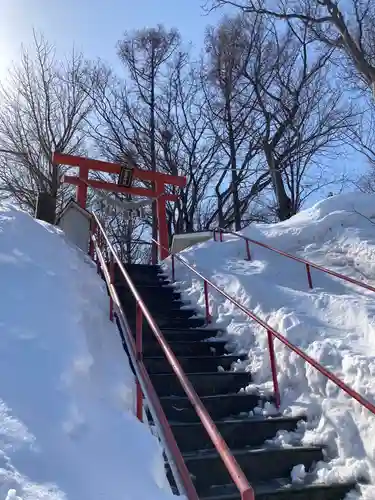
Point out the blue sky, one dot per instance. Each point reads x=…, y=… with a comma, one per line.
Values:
x=94, y=25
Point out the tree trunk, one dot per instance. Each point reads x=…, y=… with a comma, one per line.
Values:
x=233, y=166
x=284, y=204
x=153, y=162
x=55, y=184
x=220, y=211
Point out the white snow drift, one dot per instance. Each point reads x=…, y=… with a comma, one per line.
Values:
x=334, y=323
x=67, y=429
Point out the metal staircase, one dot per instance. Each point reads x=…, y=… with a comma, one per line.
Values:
x=202, y=354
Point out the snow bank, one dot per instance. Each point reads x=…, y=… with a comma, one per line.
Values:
x=334, y=323
x=67, y=429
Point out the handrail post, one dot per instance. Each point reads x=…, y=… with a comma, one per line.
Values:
x=271, y=349
x=248, y=494
x=91, y=243
x=173, y=269
x=112, y=281
x=309, y=279
x=208, y=315
x=107, y=254
x=99, y=234
x=248, y=253
x=139, y=354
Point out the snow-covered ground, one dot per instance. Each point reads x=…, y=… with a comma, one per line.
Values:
x=67, y=428
x=334, y=323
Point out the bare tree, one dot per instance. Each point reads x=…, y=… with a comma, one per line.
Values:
x=230, y=107
x=127, y=109
x=362, y=140
x=299, y=115
x=352, y=30
x=43, y=109
x=109, y=130
x=144, y=54
x=187, y=146
x=127, y=237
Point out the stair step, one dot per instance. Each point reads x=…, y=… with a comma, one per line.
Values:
x=258, y=464
x=282, y=489
x=155, y=288
x=206, y=384
x=174, y=314
x=145, y=268
x=188, y=334
x=138, y=281
x=140, y=276
x=179, y=409
x=154, y=303
x=187, y=348
x=150, y=294
x=141, y=269
x=237, y=432
x=159, y=364
x=163, y=307
x=172, y=323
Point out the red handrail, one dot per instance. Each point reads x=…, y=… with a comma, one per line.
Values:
x=222, y=448
x=271, y=332
x=142, y=374
x=307, y=263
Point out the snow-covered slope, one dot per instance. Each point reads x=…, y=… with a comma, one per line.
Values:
x=67, y=429
x=334, y=323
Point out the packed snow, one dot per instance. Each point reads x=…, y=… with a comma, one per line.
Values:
x=334, y=323
x=67, y=424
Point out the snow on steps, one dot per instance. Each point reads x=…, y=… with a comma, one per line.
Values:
x=334, y=323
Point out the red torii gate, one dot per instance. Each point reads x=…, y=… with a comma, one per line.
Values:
x=159, y=179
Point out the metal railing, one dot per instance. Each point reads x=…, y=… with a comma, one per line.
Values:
x=307, y=263
x=143, y=382
x=271, y=335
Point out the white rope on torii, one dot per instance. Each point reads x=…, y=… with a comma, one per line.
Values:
x=129, y=209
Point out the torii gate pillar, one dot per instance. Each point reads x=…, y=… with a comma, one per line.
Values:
x=81, y=189
x=162, y=221
x=160, y=180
